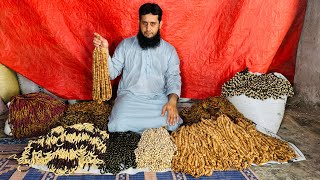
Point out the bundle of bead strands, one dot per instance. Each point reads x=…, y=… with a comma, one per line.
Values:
x=219, y=144
x=102, y=89
x=34, y=114
x=87, y=112
x=66, y=150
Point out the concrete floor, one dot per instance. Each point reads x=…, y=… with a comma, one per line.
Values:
x=300, y=126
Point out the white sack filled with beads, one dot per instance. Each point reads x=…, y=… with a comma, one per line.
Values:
x=259, y=97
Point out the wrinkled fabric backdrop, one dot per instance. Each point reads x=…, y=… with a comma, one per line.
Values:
x=51, y=42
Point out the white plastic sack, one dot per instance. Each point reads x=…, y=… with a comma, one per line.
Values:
x=27, y=86
x=7, y=128
x=72, y=101
x=266, y=114
x=52, y=95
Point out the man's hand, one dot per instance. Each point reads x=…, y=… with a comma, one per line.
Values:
x=171, y=108
x=99, y=41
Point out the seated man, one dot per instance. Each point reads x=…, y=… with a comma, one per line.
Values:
x=151, y=84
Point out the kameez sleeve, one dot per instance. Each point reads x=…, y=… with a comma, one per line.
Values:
x=116, y=63
x=172, y=76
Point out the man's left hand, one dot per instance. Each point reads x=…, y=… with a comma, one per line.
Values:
x=171, y=108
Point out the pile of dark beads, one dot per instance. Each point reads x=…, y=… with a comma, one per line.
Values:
x=120, y=152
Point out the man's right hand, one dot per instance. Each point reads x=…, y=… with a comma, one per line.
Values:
x=99, y=41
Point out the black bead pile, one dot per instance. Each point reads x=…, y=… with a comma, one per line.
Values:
x=120, y=152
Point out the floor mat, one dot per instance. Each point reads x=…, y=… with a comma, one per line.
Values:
x=8, y=169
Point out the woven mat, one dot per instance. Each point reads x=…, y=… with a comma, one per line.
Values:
x=8, y=170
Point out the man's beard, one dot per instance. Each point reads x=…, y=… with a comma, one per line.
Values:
x=146, y=43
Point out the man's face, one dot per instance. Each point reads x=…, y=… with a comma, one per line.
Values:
x=149, y=25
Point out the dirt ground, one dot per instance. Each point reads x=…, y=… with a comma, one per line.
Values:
x=300, y=126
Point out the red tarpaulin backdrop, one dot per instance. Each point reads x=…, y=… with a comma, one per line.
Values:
x=51, y=43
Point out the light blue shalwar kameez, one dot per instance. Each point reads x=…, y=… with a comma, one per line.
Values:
x=148, y=77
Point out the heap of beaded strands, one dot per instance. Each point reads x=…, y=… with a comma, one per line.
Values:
x=263, y=86
x=66, y=150
x=34, y=114
x=102, y=89
x=220, y=144
x=218, y=137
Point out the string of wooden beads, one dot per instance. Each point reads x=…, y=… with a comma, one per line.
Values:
x=102, y=89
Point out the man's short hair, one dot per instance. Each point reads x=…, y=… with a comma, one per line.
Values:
x=152, y=8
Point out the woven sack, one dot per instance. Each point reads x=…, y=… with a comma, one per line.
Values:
x=34, y=114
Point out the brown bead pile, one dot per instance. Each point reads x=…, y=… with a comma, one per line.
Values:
x=220, y=144
x=87, y=112
x=211, y=107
